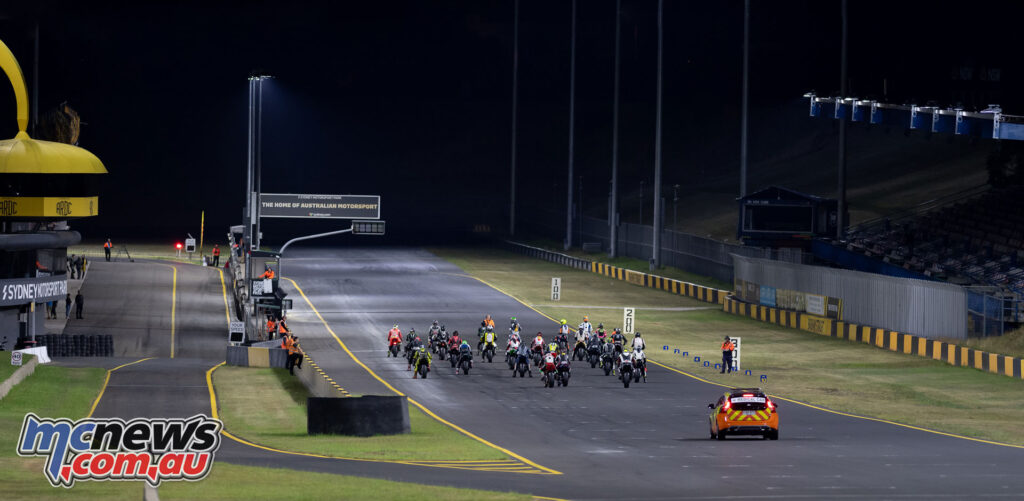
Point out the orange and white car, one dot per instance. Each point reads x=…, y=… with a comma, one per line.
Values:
x=744, y=411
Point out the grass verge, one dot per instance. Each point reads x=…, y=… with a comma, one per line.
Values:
x=268, y=407
x=837, y=374
x=1010, y=343
x=68, y=392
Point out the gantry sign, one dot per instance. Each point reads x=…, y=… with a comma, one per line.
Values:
x=292, y=205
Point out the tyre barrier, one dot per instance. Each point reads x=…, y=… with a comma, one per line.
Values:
x=77, y=345
x=360, y=416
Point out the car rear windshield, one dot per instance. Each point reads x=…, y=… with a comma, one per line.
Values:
x=743, y=403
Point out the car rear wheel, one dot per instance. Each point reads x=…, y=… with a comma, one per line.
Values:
x=721, y=435
x=773, y=435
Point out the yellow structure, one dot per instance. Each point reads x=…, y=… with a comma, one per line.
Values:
x=24, y=155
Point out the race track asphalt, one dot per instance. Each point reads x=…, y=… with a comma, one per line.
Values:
x=649, y=441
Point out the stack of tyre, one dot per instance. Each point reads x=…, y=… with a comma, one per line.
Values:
x=77, y=345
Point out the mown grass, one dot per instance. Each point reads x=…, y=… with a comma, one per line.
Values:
x=838, y=374
x=69, y=392
x=1010, y=343
x=268, y=407
x=6, y=369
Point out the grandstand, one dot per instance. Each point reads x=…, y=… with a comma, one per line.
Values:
x=976, y=241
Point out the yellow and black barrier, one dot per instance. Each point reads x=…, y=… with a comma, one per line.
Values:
x=699, y=292
x=910, y=344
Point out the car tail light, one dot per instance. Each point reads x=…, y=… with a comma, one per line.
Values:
x=748, y=394
x=726, y=406
x=771, y=405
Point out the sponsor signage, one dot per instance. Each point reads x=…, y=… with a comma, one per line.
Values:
x=767, y=296
x=32, y=290
x=62, y=207
x=816, y=305
x=556, y=288
x=628, y=320
x=292, y=205
x=634, y=277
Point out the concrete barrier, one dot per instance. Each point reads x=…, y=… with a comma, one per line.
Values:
x=252, y=356
x=360, y=416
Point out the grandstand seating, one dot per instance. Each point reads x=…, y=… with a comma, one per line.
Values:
x=978, y=241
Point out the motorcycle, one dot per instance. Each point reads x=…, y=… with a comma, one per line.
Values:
x=453, y=354
x=640, y=370
x=626, y=372
x=607, y=359
x=423, y=367
x=537, y=353
x=522, y=366
x=562, y=375
x=393, y=347
x=579, y=352
x=466, y=363
x=594, y=354
x=488, y=352
x=548, y=379
x=510, y=358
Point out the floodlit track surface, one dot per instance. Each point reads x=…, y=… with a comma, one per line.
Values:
x=650, y=440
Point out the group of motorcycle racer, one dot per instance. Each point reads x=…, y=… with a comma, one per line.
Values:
x=591, y=344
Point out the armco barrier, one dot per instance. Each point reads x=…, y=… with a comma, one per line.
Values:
x=881, y=338
x=699, y=292
x=554, y=257
x=360, y=416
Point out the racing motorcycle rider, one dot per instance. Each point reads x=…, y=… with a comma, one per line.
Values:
x=562, y=364
x=523, y=356
x=618, y=340
x=414, y=345
x=640, y=361
x=409, y=338
x=585, y=327
x=480, y=333
x=638, y=342
x=600, y=333
x=465, y=352
x=490, y=338
x=563, y=334
x=538, y=343
x=394, y=336
x=548, y=363
x=434, y=329
x=420, y=356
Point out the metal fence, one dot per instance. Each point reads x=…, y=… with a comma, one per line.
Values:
x=554, y=257
x=924, y=308
x=692, y=253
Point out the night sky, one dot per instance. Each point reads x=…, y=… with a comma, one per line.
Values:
x=412, y=100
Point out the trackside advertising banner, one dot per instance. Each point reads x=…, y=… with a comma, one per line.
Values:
x=147, y=449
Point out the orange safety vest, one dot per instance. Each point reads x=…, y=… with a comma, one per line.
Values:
x=728, y=346
x=293, y=347
x=216, y=251
x=286, y=343
x=268, y=274
x=489, y=322
x=271, y=325
x=106, y=245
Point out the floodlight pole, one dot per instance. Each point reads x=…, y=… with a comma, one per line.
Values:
x=613, y=222
x=572, y=130
x=515, y=107
x=280, y=253
x=259, y=158
x=841, y=218
x=656, y=252
x=746, y=92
